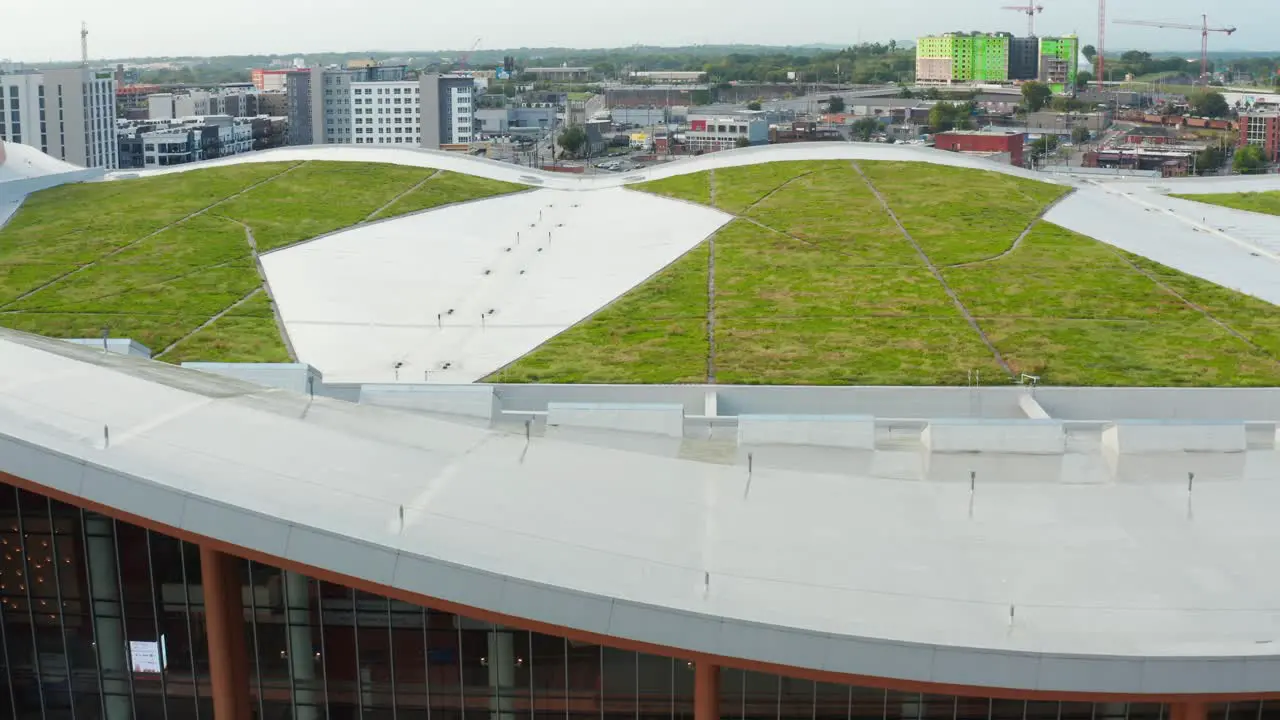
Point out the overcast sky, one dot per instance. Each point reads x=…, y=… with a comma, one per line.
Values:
x=49, y=29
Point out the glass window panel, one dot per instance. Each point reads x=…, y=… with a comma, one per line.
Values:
x=620, y=683
x=1076, y=711
x=338, y=661
x=655, y=686
x=832, y=701
x=584, y=678
x=904, y=706
x=1043, y=711
x=268, y=626
x=374, y=645
x=760, y=695
x=939, y=707
x=1007, y=709
x=870, y=703
x=973, y=708
x=442, y=656
x=797, y=698
x=1154, y=711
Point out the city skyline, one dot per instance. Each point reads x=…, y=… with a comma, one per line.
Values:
x=30, y=36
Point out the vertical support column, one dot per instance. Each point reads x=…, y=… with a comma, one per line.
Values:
x=501, y=659
x=1188, y=710
x=108, y=623
x=302, y=661
x=706, y=691
x=224, y=621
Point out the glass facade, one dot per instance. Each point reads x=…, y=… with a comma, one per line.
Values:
x=103, y=620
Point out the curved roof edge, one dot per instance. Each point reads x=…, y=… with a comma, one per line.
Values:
x=1115, y=692
x=497, y=170
x=52, y=454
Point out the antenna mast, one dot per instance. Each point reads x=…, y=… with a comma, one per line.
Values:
x=84, y=45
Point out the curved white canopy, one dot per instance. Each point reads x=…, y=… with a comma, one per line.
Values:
x=1113, y=587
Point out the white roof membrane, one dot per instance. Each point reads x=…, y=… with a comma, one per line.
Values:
x=453, y=294
x=1132, y=587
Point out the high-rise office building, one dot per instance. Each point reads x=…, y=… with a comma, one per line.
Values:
x=68, y=114
x=386, y=112
x=448, y=107
x=380, y=106
x=298, y=99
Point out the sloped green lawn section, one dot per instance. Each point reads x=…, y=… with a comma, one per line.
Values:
x=201, y=266
x=1075, y=311
x=1260, y=202
x=834, y=210
x=445, y=188
x=815, y=284
x=247, y=333
x=319, y=198
x=657, y=333
x=694, y=188
x=738, y=188
x=850, y=351
x=80, y=223
x=155, y=258
x=959, y=215
x=764, y=274
x=1057, y=273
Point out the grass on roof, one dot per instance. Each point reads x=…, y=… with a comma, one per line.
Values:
x=693, y=188
x=1260, y=202
x=960, y=215
x=155, y=258
x=318, y=198
x=815, y=284
x=444, y=188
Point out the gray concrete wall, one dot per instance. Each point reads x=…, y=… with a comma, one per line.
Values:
x=429, y=94
x=884, y=403
x=294, y=377
x=891, y=402
x=1160, y=403
x=70, y=125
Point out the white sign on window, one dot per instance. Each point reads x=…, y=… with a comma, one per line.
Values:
x=148, y=657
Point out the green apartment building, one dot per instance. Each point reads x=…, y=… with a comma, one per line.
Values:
x=1059, y=62
x=963, y=58
x=988, y=58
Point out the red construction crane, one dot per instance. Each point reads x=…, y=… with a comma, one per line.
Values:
x=1031, y=11
x=1204, y=29
x=462, y=59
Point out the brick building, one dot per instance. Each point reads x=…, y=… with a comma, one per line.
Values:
x=1262, y=128
x=985, y=143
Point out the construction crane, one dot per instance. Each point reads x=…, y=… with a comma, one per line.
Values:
x=1101, y=54
x=1204, y=29
x=84, y=44
x=462, y=59
x=1031, y=11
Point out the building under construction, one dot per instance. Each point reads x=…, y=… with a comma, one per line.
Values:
x=974, y=57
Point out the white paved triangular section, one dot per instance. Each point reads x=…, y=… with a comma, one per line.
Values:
x=359, y=302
